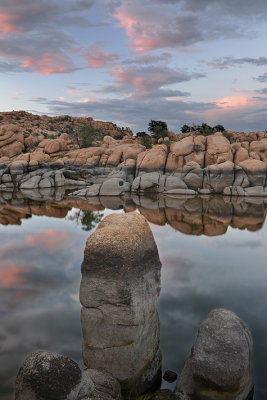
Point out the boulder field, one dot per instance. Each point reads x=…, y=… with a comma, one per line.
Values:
x=39, y=152
x=121, y=332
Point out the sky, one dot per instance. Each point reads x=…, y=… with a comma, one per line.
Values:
x=130, y=61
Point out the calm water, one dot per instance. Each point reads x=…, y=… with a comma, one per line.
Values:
x=213, y=254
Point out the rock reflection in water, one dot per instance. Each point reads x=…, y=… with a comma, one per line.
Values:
x=210, y=215
x=119, y=294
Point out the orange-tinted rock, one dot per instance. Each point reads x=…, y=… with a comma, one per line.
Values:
x=152, y=160
x=241, y=155
x=217, y=145
x=55, y=146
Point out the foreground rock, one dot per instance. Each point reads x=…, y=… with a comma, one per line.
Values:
x=220, y=366
x=119, y=294
x=106, y=386
x=50, y=376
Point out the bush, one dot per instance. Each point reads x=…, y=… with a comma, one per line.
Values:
x=158, y=129
x=146, y=139
x=228, y=136
x=1, y=117
x=185, y=129
x=167, y=143
x=87, y=135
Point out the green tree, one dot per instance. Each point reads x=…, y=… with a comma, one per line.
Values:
x=185, y=129
x=219, y=128
x=158, y=129
x=87, y=219
x=146, y=139
x=205, y=129
x=87, y=135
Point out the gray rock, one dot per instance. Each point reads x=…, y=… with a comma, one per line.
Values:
x=31, y=183
x=18, y=167
x=93, y=190
x=6, y=178
x=149, y=182
x=181, y=192
x=119, y=293
x=221, y=361
x=136, y=183
x=194, y=179
x=173, y=182
x=71, y=174
x=112, y=187
x=241, y=178
x=72, y=182
x=219, y=176
x=106, y=386
x=59, y=179
x=50, y=376
x=234, y=191
x=257, y=191
x=46, y=183
x=127, y=186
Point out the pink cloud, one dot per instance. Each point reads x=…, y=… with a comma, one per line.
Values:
x=47, y=64
x=50, y=239
x=137, y=30
x=8, y=23
x=11, y=275
x=97, y=58
x=233, y=101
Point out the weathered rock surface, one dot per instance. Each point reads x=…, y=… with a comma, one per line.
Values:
x=221, y=362
x=50, y=376
x=119, y=293
x=106, y=386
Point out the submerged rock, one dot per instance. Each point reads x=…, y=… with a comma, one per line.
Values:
x=49, y=376
x=220, y=366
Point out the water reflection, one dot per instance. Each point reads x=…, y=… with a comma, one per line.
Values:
x=210, y=216
x=40, y=273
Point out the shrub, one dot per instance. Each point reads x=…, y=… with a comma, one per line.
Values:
x=87, y=135
x=1, y=117
x=146, y=139
x=228, y=136
x=185, y=129
x=167, y=143
x=158, y=129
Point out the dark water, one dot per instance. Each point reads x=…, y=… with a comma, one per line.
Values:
x=213, y=254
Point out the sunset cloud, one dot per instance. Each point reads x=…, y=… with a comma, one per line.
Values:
x=96, y=58
x=11, y=275
x=50, y=239
x=150, y=78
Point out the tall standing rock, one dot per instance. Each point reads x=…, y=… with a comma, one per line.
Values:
x=119, y=294
x=220, y=366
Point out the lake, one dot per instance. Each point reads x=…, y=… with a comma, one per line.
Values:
x=213, y=254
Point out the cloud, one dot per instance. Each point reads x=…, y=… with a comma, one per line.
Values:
x=148, y=58
x=97, y=58
x=50, y=239
x=262, y=78
x=223, y=63
x=132, y=111
x=144, y=80
x=178, y=24
x=35, y=36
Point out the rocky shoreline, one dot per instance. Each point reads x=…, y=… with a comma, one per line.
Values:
x=34, y=157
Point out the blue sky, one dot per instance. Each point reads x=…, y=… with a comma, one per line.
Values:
x=182, y=61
